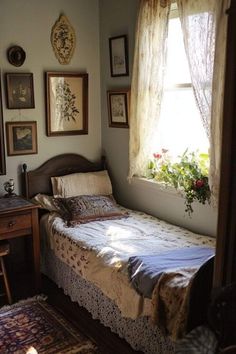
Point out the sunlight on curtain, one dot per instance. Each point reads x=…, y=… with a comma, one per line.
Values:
x=204, y=26
x=198, y=20
x=180, y=126
x=147, y=80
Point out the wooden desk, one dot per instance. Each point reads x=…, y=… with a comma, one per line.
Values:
x=19, y=217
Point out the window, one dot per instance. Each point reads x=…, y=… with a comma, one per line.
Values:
x=172, y=120
x=181, y=142
x=180, y=126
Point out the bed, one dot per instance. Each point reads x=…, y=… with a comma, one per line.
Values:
x=104, y=260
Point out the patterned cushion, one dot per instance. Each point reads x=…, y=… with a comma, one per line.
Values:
x=86, y=208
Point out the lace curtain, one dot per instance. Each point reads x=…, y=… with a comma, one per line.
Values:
x=204, y=30
x=147, y=80
x=204, y=26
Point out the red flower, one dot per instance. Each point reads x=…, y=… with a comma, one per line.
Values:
x=199, y=183
x=157, y=156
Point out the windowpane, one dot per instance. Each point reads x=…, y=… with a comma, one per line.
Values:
x=180, y=125
x=177, y=70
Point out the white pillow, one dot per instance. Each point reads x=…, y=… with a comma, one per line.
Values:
x=45, y=202
x=88, y=183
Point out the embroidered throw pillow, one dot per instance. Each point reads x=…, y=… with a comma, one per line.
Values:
x=87, y=208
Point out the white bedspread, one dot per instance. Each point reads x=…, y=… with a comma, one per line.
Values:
x=99, y=252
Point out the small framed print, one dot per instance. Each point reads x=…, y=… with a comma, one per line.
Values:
x=20, y=90
x=67, y=103
x=119, y=56
x=118, y=108
x=21, y=138
x=2, y=148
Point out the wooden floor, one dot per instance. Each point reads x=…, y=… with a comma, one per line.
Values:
x=108, y=342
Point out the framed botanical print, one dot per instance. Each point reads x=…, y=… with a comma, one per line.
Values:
x=2, y=149
x=21, y=138
x=20, y=90
x=118, y=108
x=119, y=56
x=67, y=103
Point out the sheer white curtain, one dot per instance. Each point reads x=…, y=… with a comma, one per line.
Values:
x=204, y=25
x=147, y=80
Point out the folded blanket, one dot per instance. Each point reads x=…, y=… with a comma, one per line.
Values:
x=144, y=271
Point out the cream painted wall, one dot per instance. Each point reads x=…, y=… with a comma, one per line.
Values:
x=116, y=18
x=28, y=23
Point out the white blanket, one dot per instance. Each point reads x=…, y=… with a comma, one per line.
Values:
x=99, y=251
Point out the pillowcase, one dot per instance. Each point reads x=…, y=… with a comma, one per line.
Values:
x=88, y=183
x=46, y=202
x=86, y=208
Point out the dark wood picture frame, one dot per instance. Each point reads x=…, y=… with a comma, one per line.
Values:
x=21, y=138
x=119, y=62
x=2, y=147
x=118, y=108
x=67, y=103
x=20, y=90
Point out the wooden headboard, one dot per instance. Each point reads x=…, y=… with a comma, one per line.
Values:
x=39, y=180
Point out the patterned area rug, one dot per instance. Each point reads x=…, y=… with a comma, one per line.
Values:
x=32, y=326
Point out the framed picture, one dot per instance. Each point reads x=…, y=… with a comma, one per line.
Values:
x=118, y=108
x=119, y=56
x=67, y=103
x=21, y=138
x=2, y=149
x=20, y=90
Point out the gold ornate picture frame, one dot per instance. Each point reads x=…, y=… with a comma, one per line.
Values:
x=63, y=40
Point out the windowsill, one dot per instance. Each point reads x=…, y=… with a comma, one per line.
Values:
x=159, y=187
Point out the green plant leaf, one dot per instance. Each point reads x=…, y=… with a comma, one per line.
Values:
x=188, y=174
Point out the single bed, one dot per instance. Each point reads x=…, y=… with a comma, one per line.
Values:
x=92, y=259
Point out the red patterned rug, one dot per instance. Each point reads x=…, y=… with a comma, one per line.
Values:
x=32, y=326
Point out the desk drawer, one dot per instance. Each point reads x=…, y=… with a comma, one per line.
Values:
x=15, y=223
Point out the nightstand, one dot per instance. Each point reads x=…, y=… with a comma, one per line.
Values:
x=19, y=217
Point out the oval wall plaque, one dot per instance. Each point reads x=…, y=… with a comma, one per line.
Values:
x=63, y=40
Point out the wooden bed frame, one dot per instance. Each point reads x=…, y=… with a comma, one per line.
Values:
x=39, y=181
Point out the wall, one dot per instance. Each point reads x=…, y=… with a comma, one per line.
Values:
x=116, y=18
x=28, y=23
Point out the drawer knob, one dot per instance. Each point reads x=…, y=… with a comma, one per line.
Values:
x=11, y=223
